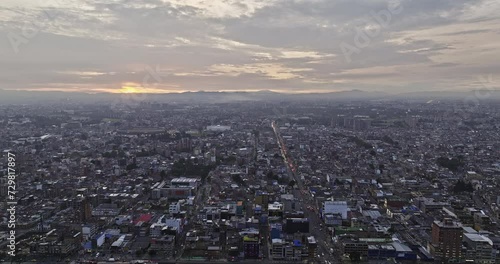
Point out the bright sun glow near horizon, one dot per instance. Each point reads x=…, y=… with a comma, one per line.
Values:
x=129, y=88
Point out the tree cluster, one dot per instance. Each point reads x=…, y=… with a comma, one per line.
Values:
x=462, y=186
x=452, y=164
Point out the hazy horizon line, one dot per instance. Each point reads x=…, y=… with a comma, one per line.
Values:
x=117, y=92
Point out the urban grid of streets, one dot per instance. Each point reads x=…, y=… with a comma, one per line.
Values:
x=411, y=158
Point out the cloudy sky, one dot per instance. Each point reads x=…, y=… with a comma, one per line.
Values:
x=231, y=45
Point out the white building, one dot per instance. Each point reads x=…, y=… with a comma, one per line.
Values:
x=335, y=207
x=88, y=231
x=278, y=249
x=123, y=219
x=174, y=208
x=479, y=249
x=119, y=242
x=164, y=222
x=185, y=182
x=218, y=128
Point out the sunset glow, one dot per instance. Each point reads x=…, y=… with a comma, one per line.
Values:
x=129, y=89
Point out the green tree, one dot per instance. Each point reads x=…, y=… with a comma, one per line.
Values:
x=461, y=186
x=452, y=164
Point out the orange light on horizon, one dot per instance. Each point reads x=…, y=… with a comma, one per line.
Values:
x=129, y=88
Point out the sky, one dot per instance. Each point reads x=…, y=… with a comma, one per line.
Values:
x=293, y=46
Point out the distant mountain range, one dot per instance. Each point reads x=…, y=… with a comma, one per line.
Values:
x=31, y=97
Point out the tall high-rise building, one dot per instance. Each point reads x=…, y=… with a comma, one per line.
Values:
x=84, y=210
x=361, y=123
x=3, y=186
x=446, y=243
x=251, y=247
x=184, y=144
